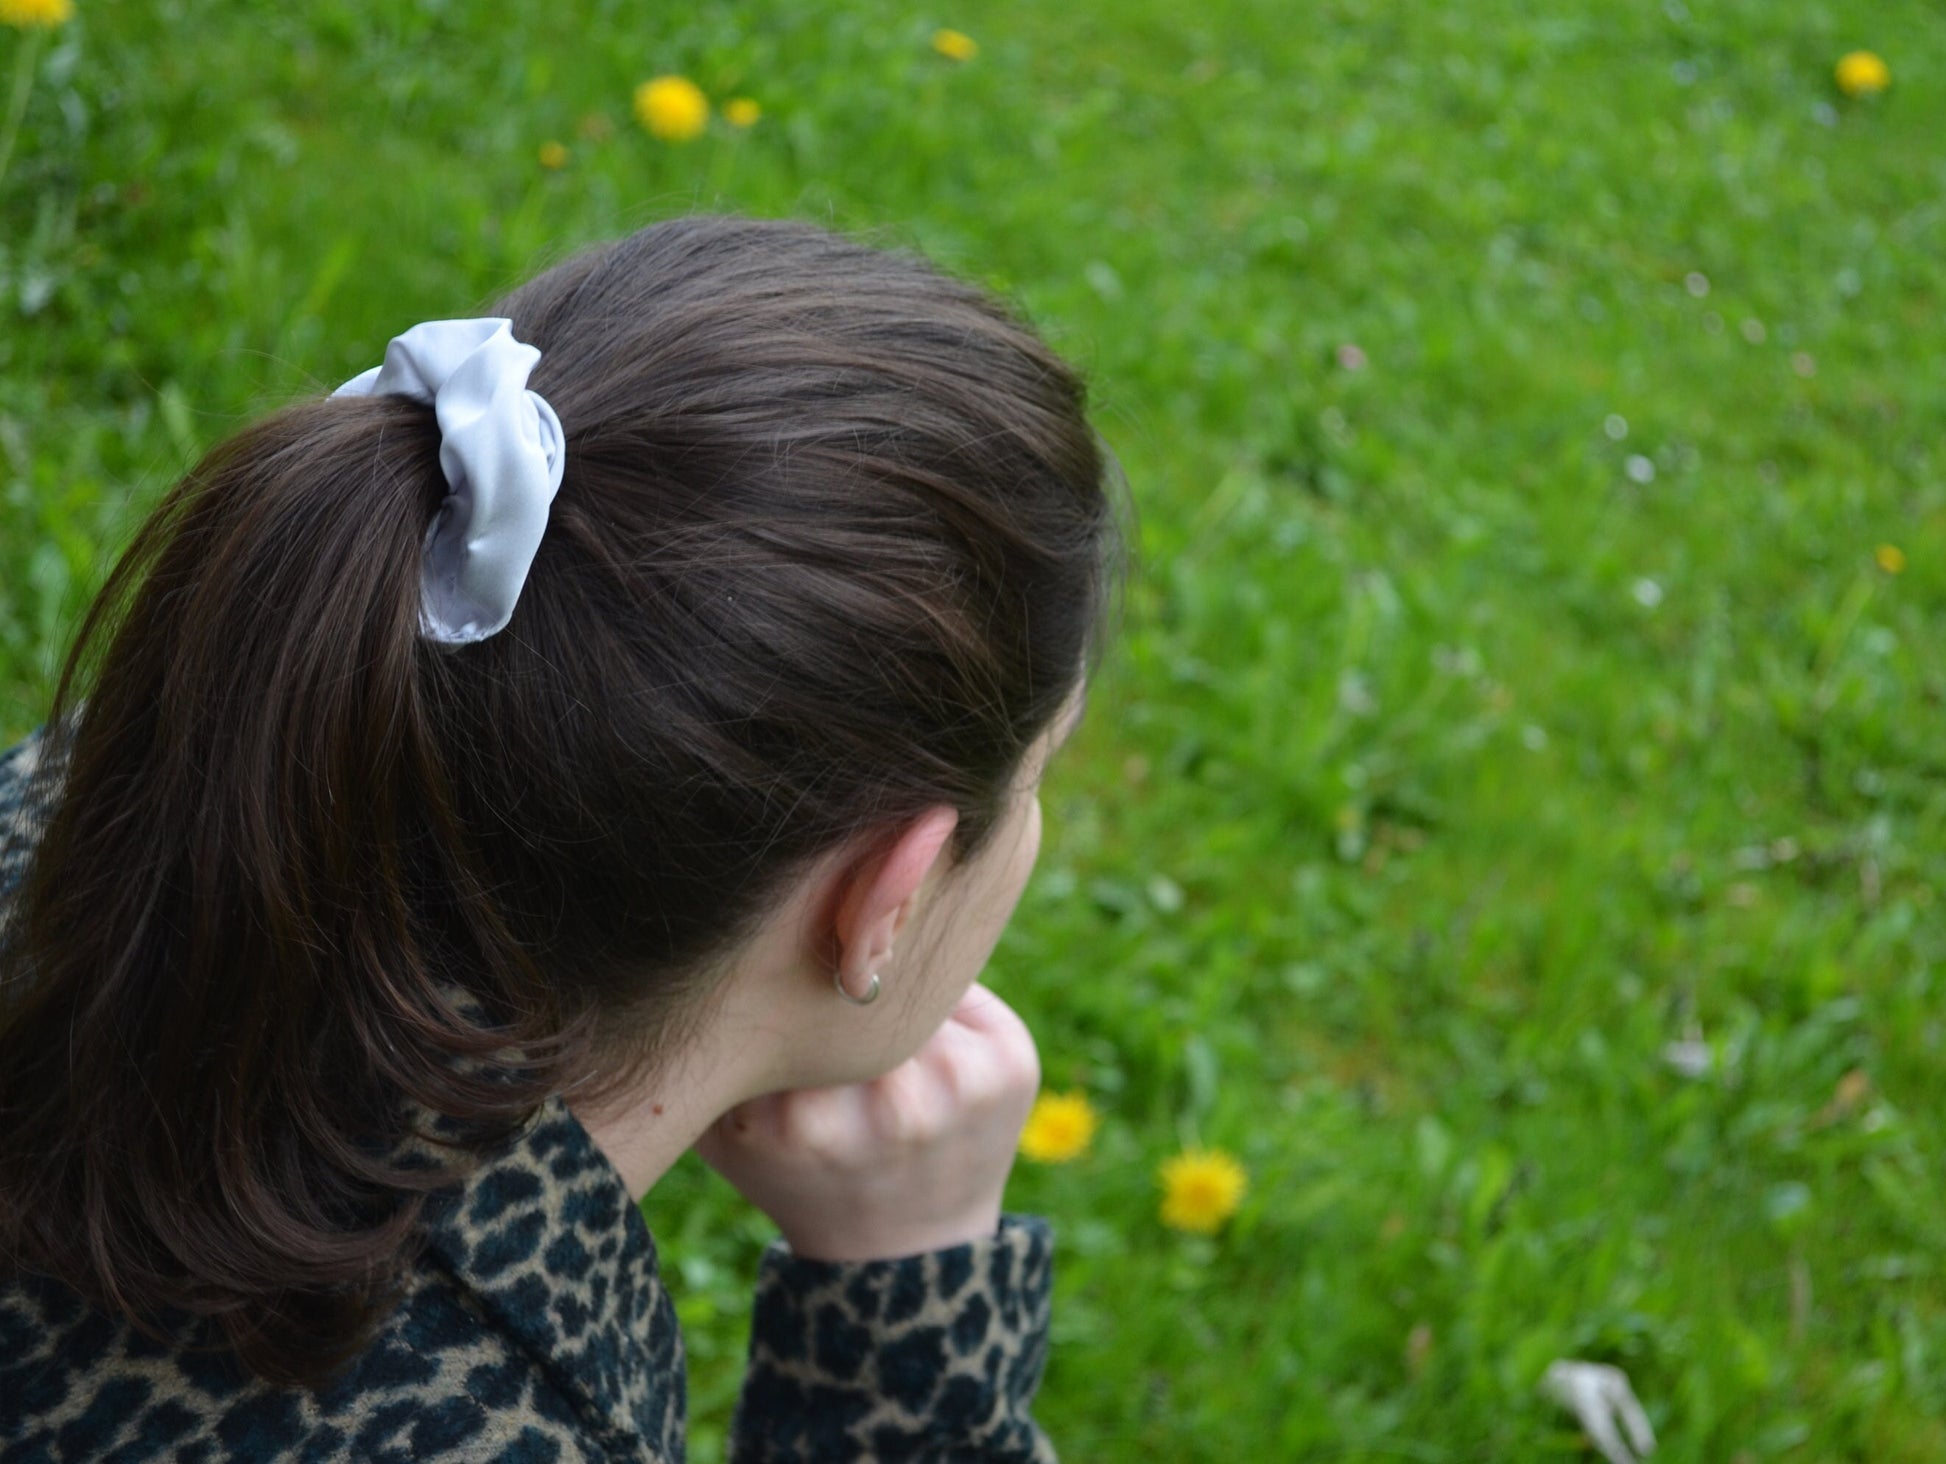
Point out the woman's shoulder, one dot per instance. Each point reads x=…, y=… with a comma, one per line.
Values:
x=533, y=1326
x=22, y=815
x=24, y=747
x=18, y=764
x=547, y=1242
x=438, y=1382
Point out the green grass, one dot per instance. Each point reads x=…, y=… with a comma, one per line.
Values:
x=1450, y=764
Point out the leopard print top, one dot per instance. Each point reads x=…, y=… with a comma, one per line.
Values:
x=536, y=1328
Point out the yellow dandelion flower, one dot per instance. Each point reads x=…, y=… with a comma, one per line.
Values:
x=553, y=156
x=1201, y=1189
x=36, y=14
x=1059, y=1127
x=1861, y=73
x=741, y=112
x=673, y=108
x=955, y=45
x=1890, y=557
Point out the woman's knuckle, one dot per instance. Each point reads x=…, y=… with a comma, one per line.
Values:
x=895, y=1118
x=958, y=1075
x=818, y=1130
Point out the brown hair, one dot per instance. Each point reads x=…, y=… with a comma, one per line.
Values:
x=832, y=546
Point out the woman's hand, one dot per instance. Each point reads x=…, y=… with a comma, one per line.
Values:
x=911, y=1161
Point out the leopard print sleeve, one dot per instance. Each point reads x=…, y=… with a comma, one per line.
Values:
x=928, y=1357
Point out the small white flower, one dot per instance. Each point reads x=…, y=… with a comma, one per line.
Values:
x=1639, y=468
x=1647, y=593
x=1697, y=283
x=1615, y=425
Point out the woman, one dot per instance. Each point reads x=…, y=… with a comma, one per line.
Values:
x=610, y=727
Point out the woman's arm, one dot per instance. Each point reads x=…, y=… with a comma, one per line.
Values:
x=878, y=1334
x=925, y=1357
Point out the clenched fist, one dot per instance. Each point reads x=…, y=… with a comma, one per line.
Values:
x=912, y=1161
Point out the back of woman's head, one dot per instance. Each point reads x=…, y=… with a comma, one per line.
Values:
x=831, y=547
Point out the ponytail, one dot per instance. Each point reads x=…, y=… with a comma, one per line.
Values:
x=230, y=990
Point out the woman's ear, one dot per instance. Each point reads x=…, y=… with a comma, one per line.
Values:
x=877, y=895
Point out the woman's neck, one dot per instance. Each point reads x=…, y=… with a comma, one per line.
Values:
x=644, y=1132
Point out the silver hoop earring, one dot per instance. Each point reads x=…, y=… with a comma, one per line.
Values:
x=871, y=992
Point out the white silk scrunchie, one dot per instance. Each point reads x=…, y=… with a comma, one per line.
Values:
x=502, y=451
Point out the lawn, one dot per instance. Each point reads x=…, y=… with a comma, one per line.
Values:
x=1533, y=417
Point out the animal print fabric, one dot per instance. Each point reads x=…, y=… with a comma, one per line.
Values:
x=23, y=809
x=536, y=1330
x=927, y=1357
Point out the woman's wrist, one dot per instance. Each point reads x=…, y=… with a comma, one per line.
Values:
x=886, y=1243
